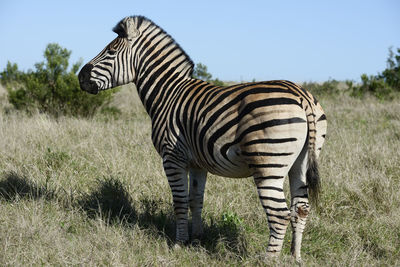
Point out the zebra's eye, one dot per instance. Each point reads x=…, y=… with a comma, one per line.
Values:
x=112, y=52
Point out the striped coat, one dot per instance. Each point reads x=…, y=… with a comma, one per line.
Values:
x=266, y=130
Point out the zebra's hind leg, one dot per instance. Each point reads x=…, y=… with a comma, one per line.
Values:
x=299, y=208
x=178, y=182
x=196, y=196
x=270, y=190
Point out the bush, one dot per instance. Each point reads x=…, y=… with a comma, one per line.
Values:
x=385, y=84
x=372, y=85
x=330, y=87
x=51, y=88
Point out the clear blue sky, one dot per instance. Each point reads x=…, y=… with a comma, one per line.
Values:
x=237, y=40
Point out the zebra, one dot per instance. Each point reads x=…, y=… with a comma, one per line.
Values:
x=267, y=130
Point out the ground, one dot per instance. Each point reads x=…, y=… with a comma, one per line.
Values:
x=77, y=191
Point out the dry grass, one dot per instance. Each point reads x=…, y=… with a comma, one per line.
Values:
x=92, y=192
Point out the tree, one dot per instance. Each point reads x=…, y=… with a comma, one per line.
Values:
x=200, y=72
x=391, y=74
x=52, y=88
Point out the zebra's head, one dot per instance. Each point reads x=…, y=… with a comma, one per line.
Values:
x=114, y=65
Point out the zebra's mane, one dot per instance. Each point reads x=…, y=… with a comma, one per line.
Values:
x=121, y=31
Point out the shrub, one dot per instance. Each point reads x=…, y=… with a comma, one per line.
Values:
x=385, y=84
x=51, y=88
x=371, y=85
x=330, y=87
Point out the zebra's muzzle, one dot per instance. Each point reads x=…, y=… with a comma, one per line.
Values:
x=84, y=80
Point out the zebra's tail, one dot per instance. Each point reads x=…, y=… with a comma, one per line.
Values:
x=312, y=174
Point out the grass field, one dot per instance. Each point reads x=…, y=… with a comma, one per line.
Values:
x=92, y=192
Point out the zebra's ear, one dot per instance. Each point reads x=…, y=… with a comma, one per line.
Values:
x=126, y=28
x=131, y=29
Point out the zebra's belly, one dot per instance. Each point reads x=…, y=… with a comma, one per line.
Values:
x=240, y=170
x=230, y=164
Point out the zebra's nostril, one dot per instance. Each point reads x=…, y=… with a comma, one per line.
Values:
x=84, y=80
x=84, y=74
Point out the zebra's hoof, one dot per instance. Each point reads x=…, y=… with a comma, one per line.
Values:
x=177, y=246
x=299, y=261
x=196, y=242
x=272, y=254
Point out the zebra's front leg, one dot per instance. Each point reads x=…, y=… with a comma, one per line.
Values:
x=178, y=182
x=196, y=196
x=270, y=191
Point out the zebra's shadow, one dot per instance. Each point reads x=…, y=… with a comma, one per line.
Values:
x=14, y=186
x=111, y=202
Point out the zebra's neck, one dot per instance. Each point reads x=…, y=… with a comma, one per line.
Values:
x=161, y=66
